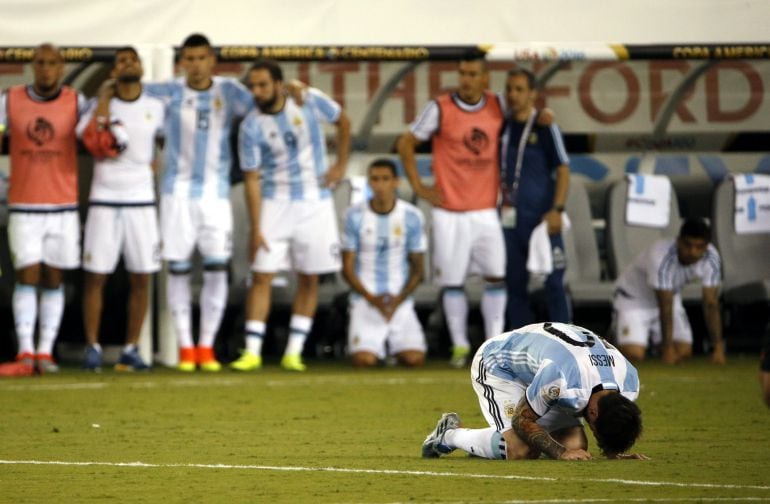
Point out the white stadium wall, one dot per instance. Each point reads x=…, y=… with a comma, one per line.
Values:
x=400, y=22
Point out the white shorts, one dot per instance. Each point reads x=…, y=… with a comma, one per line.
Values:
x=51, y=238
x=111, y=230
x=498, y=399
x=301, y=235
x=186, y=223
x=467, y=243
x=639, y=326
x=370, y=332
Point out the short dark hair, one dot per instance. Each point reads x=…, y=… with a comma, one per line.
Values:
x=476, y=59
x=196, y=40
x=272, y=66
x=695, y=228
x=531, y=80
x=384, y=163
x=127, y=48
x=618, y=423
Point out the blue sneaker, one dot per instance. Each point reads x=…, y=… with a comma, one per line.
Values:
x=131, y=361
x=93, y=360
x=434, y=446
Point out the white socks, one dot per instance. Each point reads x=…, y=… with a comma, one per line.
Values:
x=493, y=309
x=456, y=312
x=51, y=310
x=485, y=443
x=299, y=328
x=179, y=301
x=213, y=303
x=24, y=316
x=255, y=334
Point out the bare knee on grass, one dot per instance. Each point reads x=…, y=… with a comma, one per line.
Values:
x=411, y=358
x=364, y=360
x=516, y=449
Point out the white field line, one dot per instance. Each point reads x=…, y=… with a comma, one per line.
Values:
x=388, y=471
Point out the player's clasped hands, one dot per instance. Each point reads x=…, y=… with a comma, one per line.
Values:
x=386, y=304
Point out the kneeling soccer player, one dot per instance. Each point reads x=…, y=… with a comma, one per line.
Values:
x=534, y=384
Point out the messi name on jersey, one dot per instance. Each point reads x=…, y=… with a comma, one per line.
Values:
x=602, y=360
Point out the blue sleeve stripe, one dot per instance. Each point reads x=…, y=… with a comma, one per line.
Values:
x=558, y=142
x=328, y=108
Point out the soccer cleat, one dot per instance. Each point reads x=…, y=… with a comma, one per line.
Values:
x=131, y=361
x=433, y=446
x=187, y=360
x=207, y=361
x=93, y=359
x=26, y=358
x=293, y=362
x=248, y=361
x=459, y=357
x=46, y=364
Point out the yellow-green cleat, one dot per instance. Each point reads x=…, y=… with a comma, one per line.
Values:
x=248, y=361
x=459, y=357
x=293, y=362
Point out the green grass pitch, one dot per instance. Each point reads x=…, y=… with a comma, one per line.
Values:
x=338, y=435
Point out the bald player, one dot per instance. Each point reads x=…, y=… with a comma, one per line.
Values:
x=43, y=228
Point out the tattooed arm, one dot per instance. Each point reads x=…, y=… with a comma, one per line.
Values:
x=525, y=426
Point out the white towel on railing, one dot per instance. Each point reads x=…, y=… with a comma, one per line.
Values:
x=752, y=203
x=649, y=200
x=540, y=258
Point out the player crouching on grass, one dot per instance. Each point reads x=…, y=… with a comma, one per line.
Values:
x=382, y=259
x=534, y=385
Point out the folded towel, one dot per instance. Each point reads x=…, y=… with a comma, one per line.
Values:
x=540, y=258
x=752, y=203
x=649, y=201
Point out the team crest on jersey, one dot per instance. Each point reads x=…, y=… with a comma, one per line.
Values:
x=297, y=121
x=476, y=140
x=509, y=409
x=550, y=393
x=397, y=231
x=533, y=138
x=40, y=131
x=217, y=103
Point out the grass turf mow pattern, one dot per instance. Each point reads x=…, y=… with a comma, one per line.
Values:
x=339, y=435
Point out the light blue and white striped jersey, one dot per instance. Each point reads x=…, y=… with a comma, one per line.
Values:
x=289, y=148
x=198, y=155
x=382, y=243
x=561, y=365
x=658, y=268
